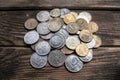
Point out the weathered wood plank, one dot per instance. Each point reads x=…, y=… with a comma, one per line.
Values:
x=12, y=27
x=14, y=65
x=48, y=4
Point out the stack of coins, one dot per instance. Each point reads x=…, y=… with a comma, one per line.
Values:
x=62, y=37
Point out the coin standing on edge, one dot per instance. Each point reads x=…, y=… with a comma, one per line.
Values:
x=65, y=50
x=31, y=37
x=55, y=12
x=38, y=61
x=73, y=63
x=98, y=41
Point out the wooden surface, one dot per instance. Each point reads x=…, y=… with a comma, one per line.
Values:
x=15, y=54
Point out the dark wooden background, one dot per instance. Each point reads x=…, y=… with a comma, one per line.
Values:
x=15, y=54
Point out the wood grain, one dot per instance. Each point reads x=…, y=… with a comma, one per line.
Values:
x=49, y=4
x=14, y=65
x=12, y=27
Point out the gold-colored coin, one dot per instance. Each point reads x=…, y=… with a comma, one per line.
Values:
x=65, y=50
x=82, y=23
x=86, y=36
x=68, y=18
x=31, y=23
x=82, y=50
x=74, y=13
x=98, y=41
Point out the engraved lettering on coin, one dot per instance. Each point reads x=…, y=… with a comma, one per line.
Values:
x=48, y=36
x=65, y=50
x=98, y=41
x=82, y=24
x=55, y=12
x=64, y=11
x=38, y=61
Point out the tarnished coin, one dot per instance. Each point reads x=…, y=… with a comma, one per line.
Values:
x=98, y=41
x=68, y=18
x=43, y=16
x=73, y=63
x=83, y=17
x=74, y=13
x=90, y=44
x=55, y=12
x=92, y=27
x=72, y=28
x=31, y=23
x=38, y=61
x=82, y=24
x=86, y=36
x=72, y=42
x=89, y=56
x=56, y=58
x=82, y=50
x=55, y=24
x=31, y=37
x=65, y=50
x=42, y=28
x=42, y=48
x=48, y=36
x=64, y=11
x=57, y=41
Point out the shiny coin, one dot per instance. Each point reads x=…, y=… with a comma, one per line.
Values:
x=82, y=50
x=31, y=23
x=42, y=48
x=56, y=58
x=82, y=24
x=72, y=42
x=31, y=37
x=74, y=13
x=98, y=41
x=86, y=36
x=89, y=56
x=68, y=18
x=72, y=28
x=55, y=24
x=64, y=11
x=73, y=63
x=90, y=44
x=65, y=50
x=43, y=16
x=55, y=12
x=48, y=36
x=42, y=28
x=38, y=61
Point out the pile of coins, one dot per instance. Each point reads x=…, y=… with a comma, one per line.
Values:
x=61, y=37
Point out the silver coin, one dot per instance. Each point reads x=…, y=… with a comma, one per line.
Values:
x=48, y=36
x=31, y=37
x=64, y=26
x=89, y=56
x=38, y=61
x=43, y=16
x=56, y=58
x=42, y=28
x=64, y=11
x=55, y=12
x=91, y=44
x=73, y=63
x=42, y=48
x=83, y=17
x=57, y=41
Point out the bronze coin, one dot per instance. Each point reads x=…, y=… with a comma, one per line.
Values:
x=65, y=50
x=82, y=24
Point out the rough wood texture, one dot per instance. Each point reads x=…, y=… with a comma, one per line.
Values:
x=49, y=4
x=12, y=27
x=14, y=65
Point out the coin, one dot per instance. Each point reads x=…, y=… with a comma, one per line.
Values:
x=42, y=28
x=72, y=28
x=65, y=50
x=31, y=23
x=57, y=41
x=31, y=37
x=86, y=36
x=56, y=58
x=38, y=61
x=90, y=44
x=92, y=27
x=82, y=50
x=64, y=26
x=73, y=63
x=72, y=42
x=68, y=18
x=83, y=17
x=98, y=41
x=55, y=24
x=64, y=11
x=42, y=48
x=82, y=24
x=55, y=12
x=48, y=36
x=74, y=13
x=87, y=58
x=43, y=16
